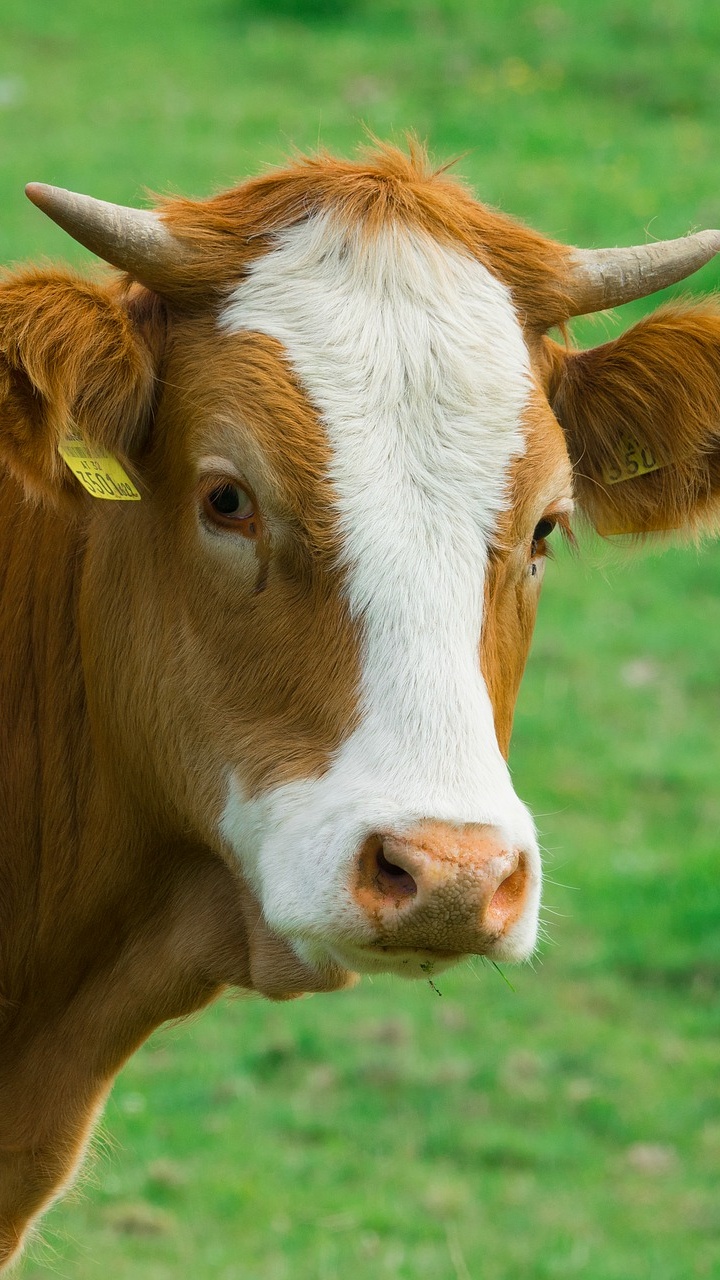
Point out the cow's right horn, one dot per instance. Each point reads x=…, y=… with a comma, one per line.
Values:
x=135, y=240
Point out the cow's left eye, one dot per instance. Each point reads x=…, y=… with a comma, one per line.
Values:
x=543, y=530
x=228, y=505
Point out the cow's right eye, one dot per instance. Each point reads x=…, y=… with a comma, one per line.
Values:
x=228, y=505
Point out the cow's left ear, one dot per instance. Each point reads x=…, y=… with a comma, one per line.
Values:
x=641, y=416
x=76, y=358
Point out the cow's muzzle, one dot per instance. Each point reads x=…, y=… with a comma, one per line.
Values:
x=449, y=891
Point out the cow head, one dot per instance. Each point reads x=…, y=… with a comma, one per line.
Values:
x=353, y=440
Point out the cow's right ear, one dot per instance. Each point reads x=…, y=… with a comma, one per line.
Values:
x=77, y=358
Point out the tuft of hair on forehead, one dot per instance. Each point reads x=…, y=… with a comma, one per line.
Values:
x=384, y=185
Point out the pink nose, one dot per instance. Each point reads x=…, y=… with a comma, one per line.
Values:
x=451, y=890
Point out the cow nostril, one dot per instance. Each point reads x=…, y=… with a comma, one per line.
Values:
x=508, y=898
x=396, y=878
x=382, y=883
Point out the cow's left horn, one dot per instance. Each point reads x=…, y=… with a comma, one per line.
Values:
x=135, y=240
x=601, y=278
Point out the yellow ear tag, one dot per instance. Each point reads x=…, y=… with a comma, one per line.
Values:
x=636, y=459
x=100, y=473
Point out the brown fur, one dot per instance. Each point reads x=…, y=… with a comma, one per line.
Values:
x=541, y=480
x=74, y=355
x=138, y=672
x=660, y=383
x=232, y=228
x=122, y=693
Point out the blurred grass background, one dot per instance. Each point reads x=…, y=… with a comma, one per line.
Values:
x=571, y=1126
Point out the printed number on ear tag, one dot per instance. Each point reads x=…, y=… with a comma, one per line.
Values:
x=100, y=473
x=636, y=459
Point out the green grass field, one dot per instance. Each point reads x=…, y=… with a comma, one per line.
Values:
x=569, y=1126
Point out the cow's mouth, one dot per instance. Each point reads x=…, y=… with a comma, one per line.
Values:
x=387, y=949
x=404, y=962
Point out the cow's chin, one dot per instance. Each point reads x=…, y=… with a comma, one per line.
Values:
x=285, y=970
x=277, y=969
x=282, y=968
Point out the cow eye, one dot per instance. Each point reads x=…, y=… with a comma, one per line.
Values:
x=228, y=505
x=543, y=530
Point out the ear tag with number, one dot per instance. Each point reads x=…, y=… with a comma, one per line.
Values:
x=636, y=459
x=98, y=472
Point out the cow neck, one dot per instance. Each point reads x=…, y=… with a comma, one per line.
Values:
x=91, y=910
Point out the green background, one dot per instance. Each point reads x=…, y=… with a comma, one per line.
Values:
x=571, y=1126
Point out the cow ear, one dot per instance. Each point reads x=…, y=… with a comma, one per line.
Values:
x=641, y=416
x=77, y=358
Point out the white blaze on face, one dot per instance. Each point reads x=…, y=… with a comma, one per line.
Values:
x=412, y=354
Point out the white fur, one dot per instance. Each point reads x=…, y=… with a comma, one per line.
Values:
x=413, y=356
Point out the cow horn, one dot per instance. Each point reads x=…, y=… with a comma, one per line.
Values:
x=135, y=240
x=601, y=278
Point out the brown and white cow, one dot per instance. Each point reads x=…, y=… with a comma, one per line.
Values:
x=255, y=725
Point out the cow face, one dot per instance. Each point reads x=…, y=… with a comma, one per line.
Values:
x=350, y=470
x=356, y=423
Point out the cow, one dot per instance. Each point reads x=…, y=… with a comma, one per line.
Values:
x=276, y=504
